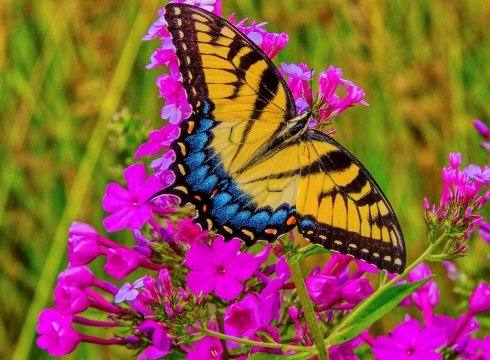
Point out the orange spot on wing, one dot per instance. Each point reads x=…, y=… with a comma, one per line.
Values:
x=271, y=231
x=291, y=220
x=190, y=129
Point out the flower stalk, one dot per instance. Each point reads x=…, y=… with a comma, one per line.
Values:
x=282, y=347
x=307, y=306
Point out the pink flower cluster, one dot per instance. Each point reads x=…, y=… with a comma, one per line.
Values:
x=439, y=333
x=328, y=102
x=464, y=193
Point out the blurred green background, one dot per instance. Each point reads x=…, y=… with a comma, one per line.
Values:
x=69, y=68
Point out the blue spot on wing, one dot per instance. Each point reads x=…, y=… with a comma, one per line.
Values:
x=195, y=160
x=205, y=125
x=196, y=142
x=240, y=219
x=307, y=224
x=258, y=221
x=222, y=215
x=205, y=108
x=207, y=185
x=196, y=177
x=221, y=200
x=279, y=217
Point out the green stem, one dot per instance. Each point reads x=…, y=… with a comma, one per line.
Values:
x=425, y=255
x=283, y=347
x=307, y=307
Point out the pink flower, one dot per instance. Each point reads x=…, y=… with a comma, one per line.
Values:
x=83, y=244
x=129, y=207
x=69, y=299
x=220, y=268
x=190, y=232
x=129, y=292
x=477, y=349
x=331, y=104
x=484, y=231
x=457, y=331
x=208, y=348
x=270, y=43
x=57, y=336
x=164, y=56
x=243, y=318
x=121, y=262
x=159, y=139
x=484, y=132
x=480, y=299
x=161, y=342
x=176, y=106
x=478, y=174
x=410, y=341
x=427, y=297
x=79, y=276
x=158, y=28
x=299, y=80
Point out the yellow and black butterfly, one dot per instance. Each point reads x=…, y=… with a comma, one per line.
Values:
x=252, y=166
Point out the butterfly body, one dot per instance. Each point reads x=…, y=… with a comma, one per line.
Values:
x=252, y=166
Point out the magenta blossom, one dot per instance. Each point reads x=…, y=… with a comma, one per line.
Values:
x=121, y=262
x=129, y=207
x=58, y=337
x=160, y=340
x=159, y=139
x=208, y=348
x=243, y=318
x=478, y=174
x=427, y=297
x=176, y=106
x=464, y=193
x=129, y=292
x=484, y=231
x=409, y=341
x=270, y=43
x=190, y=232
x=220, y=268
x=328, y=101
x=480, y=299
x=484, y=132
x=83, y=244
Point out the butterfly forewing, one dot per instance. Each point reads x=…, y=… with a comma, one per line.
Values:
x=239, y=102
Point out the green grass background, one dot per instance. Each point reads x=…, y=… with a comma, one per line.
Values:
x=66, y=67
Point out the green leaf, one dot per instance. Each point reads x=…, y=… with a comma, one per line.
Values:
x=384, y=302
x=310, y=250
x=175, y=356
x=265, y=356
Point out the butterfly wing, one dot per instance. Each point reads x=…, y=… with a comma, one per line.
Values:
x=341, y=207
x=241, y=106
x=239, y=164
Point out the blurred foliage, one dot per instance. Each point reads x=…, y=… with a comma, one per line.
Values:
x=68, y=69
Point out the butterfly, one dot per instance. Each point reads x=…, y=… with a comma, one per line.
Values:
x=252, y=166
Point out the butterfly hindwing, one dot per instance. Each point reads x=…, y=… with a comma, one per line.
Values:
x=252, y=167
x=341, y=207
